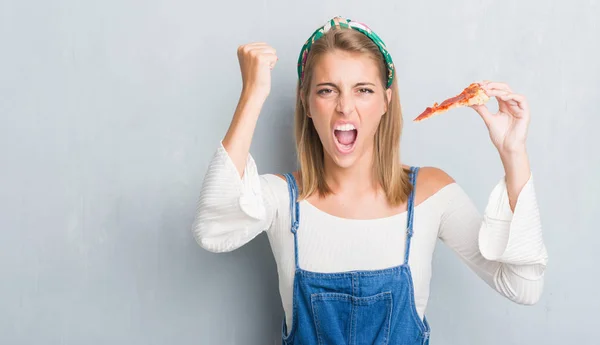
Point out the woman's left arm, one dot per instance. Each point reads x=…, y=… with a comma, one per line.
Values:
x=508, y=131
x=504, y=247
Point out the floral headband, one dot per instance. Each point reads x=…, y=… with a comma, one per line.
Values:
x=348, y=24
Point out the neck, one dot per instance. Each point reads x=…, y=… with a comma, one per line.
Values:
x=355, y=180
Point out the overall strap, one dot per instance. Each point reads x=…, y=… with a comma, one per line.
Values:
x=294, y=211
x=410, y=208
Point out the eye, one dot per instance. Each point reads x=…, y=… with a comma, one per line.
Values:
x=365, y=90
x=324, y=91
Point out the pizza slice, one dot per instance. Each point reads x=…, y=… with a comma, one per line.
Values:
x=472, y=95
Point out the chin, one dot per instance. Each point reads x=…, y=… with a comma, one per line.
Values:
x=344, y=162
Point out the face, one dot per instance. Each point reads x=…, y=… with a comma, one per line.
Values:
x=346, y=102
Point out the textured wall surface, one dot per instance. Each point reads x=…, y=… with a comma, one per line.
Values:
x=110, y=112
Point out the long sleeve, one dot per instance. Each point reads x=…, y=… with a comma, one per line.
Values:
x=231, y=210
x=505, y=249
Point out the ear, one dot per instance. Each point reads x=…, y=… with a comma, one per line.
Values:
x=388, y=92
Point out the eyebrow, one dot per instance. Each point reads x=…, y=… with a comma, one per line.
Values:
x=357, y=84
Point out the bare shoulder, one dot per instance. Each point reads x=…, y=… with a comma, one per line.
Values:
x=430, y=180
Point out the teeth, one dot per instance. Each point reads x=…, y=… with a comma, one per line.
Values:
x=345, y=127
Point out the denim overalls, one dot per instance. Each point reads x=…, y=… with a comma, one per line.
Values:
x=355, y=307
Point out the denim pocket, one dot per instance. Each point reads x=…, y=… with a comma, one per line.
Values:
x=346, y=319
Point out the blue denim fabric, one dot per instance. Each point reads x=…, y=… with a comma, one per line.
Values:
x=356, y=307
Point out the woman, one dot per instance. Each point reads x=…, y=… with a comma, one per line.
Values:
x=349, y=273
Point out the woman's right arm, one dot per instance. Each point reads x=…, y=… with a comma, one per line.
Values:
x=256, y=61
x=236, y=204
x=232, y=210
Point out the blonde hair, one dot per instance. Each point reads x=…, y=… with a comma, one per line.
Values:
x=387, y=167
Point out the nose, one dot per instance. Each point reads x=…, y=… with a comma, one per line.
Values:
x=345, y=104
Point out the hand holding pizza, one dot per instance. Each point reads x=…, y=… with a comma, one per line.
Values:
x=508, y=127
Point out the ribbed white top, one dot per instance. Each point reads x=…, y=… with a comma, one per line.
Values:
x=505, y=249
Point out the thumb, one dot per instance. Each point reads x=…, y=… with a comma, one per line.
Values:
x=484, y=112
x=271, y=60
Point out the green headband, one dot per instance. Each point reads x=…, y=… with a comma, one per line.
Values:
x=348, y=24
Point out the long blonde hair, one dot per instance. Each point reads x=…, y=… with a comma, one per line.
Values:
x=387, y=167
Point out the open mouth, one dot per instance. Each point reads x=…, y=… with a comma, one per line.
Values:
x=345, y=137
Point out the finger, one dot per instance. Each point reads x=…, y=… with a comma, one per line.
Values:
x=270, y=59
x=503, y=98
x=516, y=99
x=496, y=93
x=262, y=49
x=246, y=48
x=257, y=44
x=484, y=112
x=497, y=86
x=484, y=83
